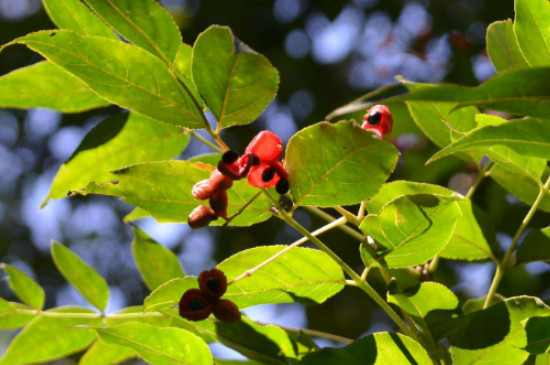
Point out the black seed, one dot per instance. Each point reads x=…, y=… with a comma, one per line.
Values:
x=230, y=156
x=282, y=186
x=213, y=285
x=254, y=159
x=286, y=202
x=197, y=304
x=268, y=175
x=374, y=118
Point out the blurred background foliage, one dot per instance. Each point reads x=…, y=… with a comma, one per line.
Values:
x=328, y=53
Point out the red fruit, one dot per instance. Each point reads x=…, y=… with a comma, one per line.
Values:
x=256, y=175
x=202, y=190
x=218, y=202
x=201, y=216
x=213, y=283
x=378, y=120
x=266, y=145
x=194, y=305
x=227, y=311
x=219, y=181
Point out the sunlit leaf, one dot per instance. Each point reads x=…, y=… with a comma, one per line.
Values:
x=532, y=28
x=528, y=137
x=81, y=275
x=267, y=344
x=378, y=349
x=337, y=164
x=424, y=299
x=159, y=345
x=301, y=275
x=538, y=335
x=116, y=142
x=413, y=228
x=236, y=82
x=11, y=318
x=496, y=334
x=101, y=353
x=24, y=287
x=182, y=67
x=48, y=338
x=503, y=48
x=164, y=190
x=169, y=293
x=48, y=86
x=74, y=15
x=145, y=23
x=156, y=263
x=121, y=73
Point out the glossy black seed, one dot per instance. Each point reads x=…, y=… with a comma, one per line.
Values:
x=286, y=202
x=213, y=285
x=374, y=118
x=230, y=156
x=282, y=186
x=254, y=159
x=197, y=304
x=268, y=175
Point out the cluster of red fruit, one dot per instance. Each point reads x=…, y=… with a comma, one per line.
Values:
x=260, y=164
x=198, y=304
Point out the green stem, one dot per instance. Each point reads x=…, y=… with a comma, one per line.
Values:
x=204, y=140
x=315, y=333
x=327, y=217
x=501, y=266
x=480, y=176
x=350, y=216
x=363, y=285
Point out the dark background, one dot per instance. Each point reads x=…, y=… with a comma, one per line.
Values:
x=328, y=53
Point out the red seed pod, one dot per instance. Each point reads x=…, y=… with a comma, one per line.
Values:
x=201, y=216
x=378, y=120
x=218, y=202
x=266, y=145
x=213, y=283
x=202, y=190
x=194, y=305
x=256, y=176
x=219, y=181
x=227, y=311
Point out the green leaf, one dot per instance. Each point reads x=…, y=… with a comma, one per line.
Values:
x=236, y=82
x=47, y=338
x=182, y=67
x=74, y=15
x=101, y=353
x=527, y=137
x=327, y=164
x=10, y=318
x=121, y=73
x=81, y=275
x=48, y=86
x=159, y=345
x=522, y=92
x=538, y=335
x=520, y=185
x=535, y=247
x=413, y=228
x=532, y=28
x=24, y=287
x=169, y=293
x=301, y=275
x=145, y=23
x=503, y=48
x=440, y=122
x=496, y=335
x=427, y=297
x=470, y=241
x=135, y=214
x=378, y=349
x=156, y=263
x=267, y=344
x=164, y=190
x=116, y=142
